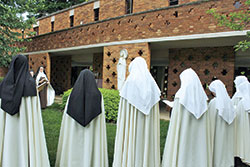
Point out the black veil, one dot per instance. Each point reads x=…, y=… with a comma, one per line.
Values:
x=85, y=99
x=17, y=83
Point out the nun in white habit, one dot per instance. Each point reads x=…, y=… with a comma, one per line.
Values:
x=221, y=118
x=188, y=143
x=243, y=123
x=237, y=96
x=238, y=122
x=83, y=140
x=137, y=142
x=22, y=139
x=47, y=94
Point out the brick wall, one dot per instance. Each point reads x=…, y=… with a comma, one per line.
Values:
x=62, y=20
x=111, y=57
x=143, y=5
x=45, y=25
x=111, y=8
x=61, y=73
x=207, y=62
x=108, y=9
x=37, y=60
x=84, y=14
x=191, y=19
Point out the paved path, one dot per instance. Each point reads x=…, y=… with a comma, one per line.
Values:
x=164, y=115
x=58, y=99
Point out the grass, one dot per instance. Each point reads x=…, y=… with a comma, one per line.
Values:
x=52, y=118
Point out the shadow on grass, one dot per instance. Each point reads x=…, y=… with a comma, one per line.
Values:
x=52, y=117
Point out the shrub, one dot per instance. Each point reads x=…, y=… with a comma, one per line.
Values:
x=65, y=98
x=111, y=102
x=1, y=79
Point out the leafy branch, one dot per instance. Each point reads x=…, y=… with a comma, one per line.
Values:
x=235, y=21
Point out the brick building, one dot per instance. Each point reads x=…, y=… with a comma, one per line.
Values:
x=171, y=35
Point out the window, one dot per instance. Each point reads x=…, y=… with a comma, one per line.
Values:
x=173, y=2
x=71, y=20
x=52, y=26
x=129, y=6
x=36, y=29
x=96, y=14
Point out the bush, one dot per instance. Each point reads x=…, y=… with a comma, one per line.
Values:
x=111, y=102
x=65, y=98
x=1, y=79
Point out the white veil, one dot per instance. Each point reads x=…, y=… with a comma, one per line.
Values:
x=140, y=88
x=191, y=93
x=224, y=104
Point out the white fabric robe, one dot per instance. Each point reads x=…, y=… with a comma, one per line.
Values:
x=137, y=142
x=22, y=139
x=50, y=95
x=188, y=143
x=82, y=146
x=242, y=133
x=222, y=138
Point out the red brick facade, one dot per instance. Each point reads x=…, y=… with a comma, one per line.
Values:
x=150, y=19
x=180, y=20
x=111, y=57
x=207, y=62
x=37, y=60
x=108, y=9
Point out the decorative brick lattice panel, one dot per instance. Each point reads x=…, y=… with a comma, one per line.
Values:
x=207, y=62
x=111, y=57
x=61, y=73
x=38, y=60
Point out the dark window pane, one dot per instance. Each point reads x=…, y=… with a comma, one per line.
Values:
x=96, y=14
x=71, y=21
x=173, y=2
x=129, y=6
x=52, y=26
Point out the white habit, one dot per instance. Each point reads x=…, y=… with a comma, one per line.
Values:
x=237, y=96
x=235, y=99
x=82, y=146
x=243, y=124
x=188, y=143
x=221, y=119
x=137, y=142
x=22, y=139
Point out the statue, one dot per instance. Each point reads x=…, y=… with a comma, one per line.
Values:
x=121, y=68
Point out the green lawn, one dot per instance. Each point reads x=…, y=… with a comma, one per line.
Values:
x=52, y=118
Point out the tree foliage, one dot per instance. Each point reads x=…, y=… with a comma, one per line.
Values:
x=56, y=5
x=12, y=22
x=236, y=21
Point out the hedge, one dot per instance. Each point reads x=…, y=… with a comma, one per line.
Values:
x=111, y=102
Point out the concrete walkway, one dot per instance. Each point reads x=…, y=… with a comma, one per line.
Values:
x=58, y=99
x=164, y=115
